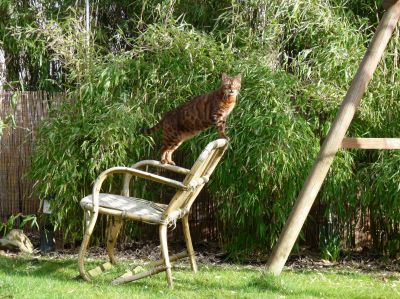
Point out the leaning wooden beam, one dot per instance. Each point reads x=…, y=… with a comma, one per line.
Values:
x=371, y=143
x=172, y=258
x=333, y=140
x=124, y=279
x=157, y=267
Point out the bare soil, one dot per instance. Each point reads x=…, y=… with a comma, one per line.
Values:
x=210, y=253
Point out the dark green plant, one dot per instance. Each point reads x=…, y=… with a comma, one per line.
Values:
x=330, y=248
x=329, y=240
x=19, y=220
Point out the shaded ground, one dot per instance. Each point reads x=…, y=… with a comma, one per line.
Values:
x=210, y=253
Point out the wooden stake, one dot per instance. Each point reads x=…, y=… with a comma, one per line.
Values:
x=100, y=269
x=333, y=140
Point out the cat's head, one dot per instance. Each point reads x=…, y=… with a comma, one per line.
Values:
x=231, y=85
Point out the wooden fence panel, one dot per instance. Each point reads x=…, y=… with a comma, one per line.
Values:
x=15, y=150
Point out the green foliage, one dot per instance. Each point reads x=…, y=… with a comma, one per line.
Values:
x=260, y=177
x=330, y=248
x=330, y=241
x=8, y=121
x=297, y=59
x=99, y=126
x=27, y=62
x=19, y=220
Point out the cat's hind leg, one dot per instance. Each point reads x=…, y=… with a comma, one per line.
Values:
x=167, y=150
x=169, y=158
x=169, y=154
x=164, y=152
x=166, y=156
x=172, y=139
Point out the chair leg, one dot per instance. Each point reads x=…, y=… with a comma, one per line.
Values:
x=85, y=242
x=113, y=229
x=188, y=241
x=164, y=251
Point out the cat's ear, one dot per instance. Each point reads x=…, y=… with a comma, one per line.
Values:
x=238, y=78
x=224, y=77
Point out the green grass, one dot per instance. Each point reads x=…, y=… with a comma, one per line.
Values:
x=47, y=277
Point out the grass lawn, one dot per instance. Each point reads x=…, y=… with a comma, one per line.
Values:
x=55, y=277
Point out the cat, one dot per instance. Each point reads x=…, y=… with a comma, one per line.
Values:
x=196, y=115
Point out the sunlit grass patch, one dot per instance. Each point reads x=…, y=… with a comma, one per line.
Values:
x=45, y=277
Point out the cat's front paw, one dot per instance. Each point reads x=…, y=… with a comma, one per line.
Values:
x=165, y=161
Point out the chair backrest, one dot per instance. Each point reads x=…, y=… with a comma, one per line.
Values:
x=197, y=177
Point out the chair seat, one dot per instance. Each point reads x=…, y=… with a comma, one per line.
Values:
x=127, y=207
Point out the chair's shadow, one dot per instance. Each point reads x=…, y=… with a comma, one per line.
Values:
x=56, y=268
x=44, y=266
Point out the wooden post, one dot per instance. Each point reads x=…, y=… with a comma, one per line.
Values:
x=333, y=140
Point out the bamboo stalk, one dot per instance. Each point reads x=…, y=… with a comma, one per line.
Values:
x=333, y=140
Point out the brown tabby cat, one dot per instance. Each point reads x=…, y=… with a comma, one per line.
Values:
x=192, y=117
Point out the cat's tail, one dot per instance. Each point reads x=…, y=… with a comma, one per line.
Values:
x=149, y=131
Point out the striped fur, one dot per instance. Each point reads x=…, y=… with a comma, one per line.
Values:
x=196, y=115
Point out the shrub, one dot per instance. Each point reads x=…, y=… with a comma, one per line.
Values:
x=296, y=58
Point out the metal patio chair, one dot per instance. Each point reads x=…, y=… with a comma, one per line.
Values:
x=122, y=207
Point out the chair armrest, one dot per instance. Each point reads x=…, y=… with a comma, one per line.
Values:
x=132, y=172
x=158, y=164
x=153, y=163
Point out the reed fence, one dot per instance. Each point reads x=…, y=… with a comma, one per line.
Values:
x=16, y=148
